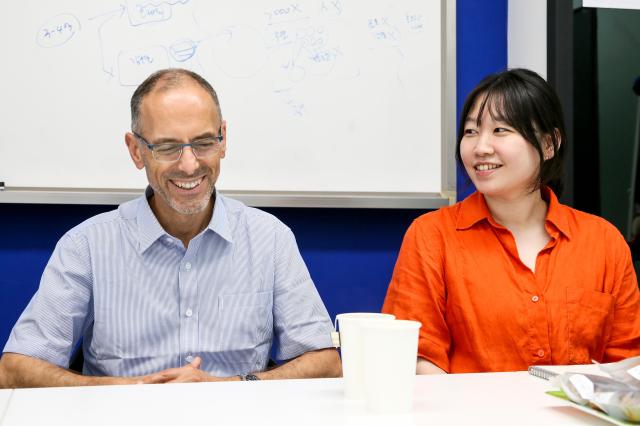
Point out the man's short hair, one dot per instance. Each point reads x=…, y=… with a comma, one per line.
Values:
x=168, y=78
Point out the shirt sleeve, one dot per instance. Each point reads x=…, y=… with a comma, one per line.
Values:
x=59, y=312
x=301, y=321
x=417, y=291
x=624, y=340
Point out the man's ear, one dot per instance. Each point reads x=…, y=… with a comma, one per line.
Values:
x=223, y=130
x=134, y=150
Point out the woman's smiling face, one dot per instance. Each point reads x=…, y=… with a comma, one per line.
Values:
x=500, y=161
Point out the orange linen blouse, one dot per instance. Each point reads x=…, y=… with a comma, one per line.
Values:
x=482, y=309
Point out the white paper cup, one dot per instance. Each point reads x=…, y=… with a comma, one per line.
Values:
x=351, y=350
x=391, y=352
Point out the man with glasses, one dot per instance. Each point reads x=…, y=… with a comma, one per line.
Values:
x=180, y=285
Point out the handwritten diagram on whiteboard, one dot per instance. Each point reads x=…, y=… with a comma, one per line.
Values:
x=319, y=95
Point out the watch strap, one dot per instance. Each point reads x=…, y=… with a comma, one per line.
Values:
x=248, y=377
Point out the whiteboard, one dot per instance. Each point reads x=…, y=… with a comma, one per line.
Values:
x=320, y=96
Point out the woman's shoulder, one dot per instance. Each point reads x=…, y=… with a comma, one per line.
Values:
x=448, y=218
x=586, y=225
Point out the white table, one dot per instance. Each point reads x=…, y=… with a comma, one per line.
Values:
x=5, y=397
x=477, y=399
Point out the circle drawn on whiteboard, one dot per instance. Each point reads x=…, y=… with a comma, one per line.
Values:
x=183, y=50
x=239, y=51
x=58, y=30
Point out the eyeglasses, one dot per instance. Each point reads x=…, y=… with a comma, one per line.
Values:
x=170, y=152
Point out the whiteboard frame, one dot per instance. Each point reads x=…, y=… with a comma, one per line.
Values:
x=399, y=200
x=405, y=200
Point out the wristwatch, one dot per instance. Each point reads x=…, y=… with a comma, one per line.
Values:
x=248, y=377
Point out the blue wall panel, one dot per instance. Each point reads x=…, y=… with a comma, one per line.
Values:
x=27, y=238
x=481, y=50
x=350, y=253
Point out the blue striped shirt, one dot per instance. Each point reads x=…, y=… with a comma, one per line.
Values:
x=143, y=303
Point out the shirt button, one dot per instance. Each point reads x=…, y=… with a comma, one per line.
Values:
x=541, y=353
x=188, y=312
x=189, y=358
x=167, y=240
x=187, y=266
x=534, y=299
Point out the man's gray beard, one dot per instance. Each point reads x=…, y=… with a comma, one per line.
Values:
x=185, y=210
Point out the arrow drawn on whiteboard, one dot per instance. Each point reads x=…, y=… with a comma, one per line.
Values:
x=160, y=3
x=121, y=9
x=107, y=17
x=173, y=3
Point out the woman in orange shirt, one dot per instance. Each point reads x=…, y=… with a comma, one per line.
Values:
x=510, y=277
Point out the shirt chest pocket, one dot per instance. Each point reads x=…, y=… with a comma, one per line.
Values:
x=244, y=321
x=589, y=319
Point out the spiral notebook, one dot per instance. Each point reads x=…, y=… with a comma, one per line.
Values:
x=549, y=371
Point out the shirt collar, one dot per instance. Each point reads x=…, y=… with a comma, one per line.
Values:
x=219, y=222
x=150, y=229
x=556, y=214
x=474, y=208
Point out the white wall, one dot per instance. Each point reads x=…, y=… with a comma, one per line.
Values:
x=615, y=4
x=527, y=35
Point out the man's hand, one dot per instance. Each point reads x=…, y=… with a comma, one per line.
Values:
x=21, y=371
x=190, y=373
x=312, y=364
